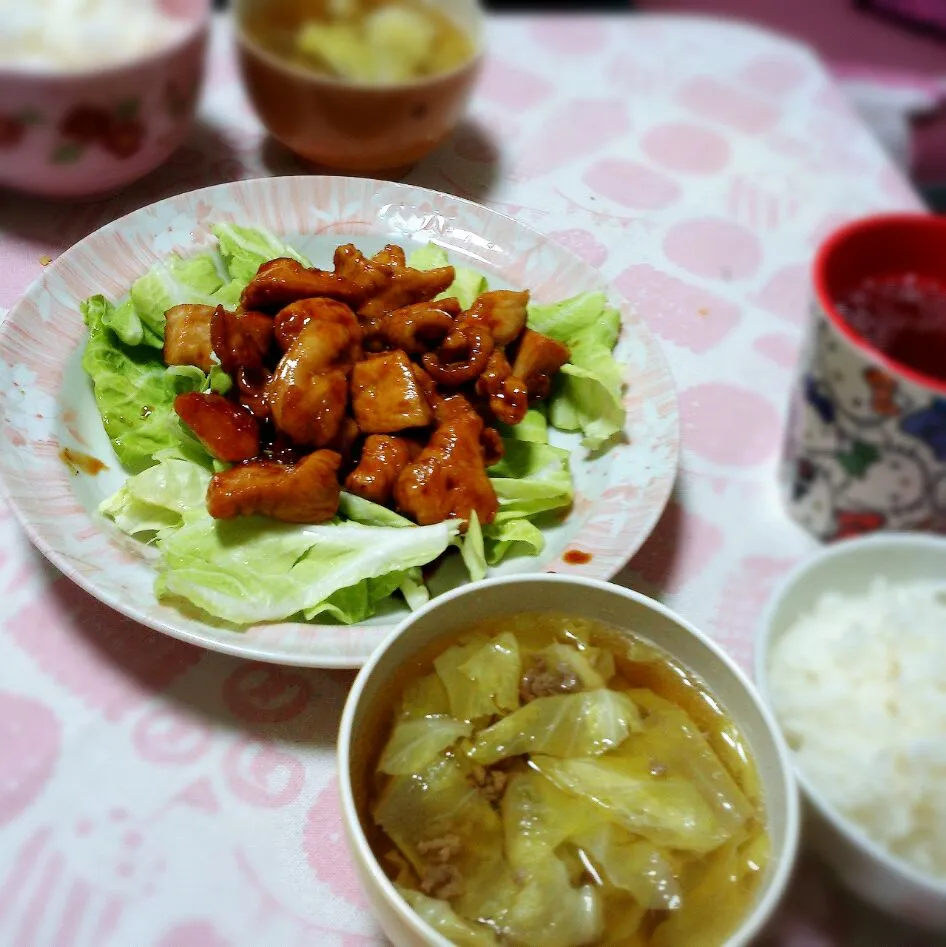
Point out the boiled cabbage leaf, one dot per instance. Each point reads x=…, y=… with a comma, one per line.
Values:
x=707, y=915
x=592, y=666
x=424, y=696
x=442, y=804
x=632, y=864
x=668, y=811
x=538, y=817
x=482, y=676
x=566, y=725
x=445, y=921
x=415, y=744
x=548, y=910
x=672, y=740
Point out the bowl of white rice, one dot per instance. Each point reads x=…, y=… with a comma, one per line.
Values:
x=851, y=657
x=94, y=94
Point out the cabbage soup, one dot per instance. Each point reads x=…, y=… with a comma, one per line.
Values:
x=548, y=780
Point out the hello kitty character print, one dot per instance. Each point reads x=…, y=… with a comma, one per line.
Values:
x=864, y=449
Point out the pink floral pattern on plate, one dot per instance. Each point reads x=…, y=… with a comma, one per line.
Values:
x=48, y=405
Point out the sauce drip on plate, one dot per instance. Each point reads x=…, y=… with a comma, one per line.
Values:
x=78, y=462
x=577, y=557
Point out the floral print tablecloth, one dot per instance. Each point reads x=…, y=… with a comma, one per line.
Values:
x=155, y=795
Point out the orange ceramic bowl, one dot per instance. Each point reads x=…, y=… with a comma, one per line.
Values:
x=352, y=126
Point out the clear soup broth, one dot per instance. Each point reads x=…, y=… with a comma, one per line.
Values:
x=546, y=780
x=371, y=41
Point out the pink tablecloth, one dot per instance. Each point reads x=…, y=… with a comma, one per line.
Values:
x=152, y=794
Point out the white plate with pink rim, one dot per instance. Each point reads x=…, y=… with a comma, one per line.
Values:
x=48, y=404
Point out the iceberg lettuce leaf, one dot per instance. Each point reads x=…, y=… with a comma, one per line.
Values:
x=255, y=569
x=519, y=535
x=531, y=478
x=467, y=284
x=134, y=391
x=472, y=549
x=246, y=249
x=170, y=283
x=158, y=498
x=588, y=392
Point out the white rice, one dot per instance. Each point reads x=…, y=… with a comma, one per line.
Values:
x=859, y=687
x=70, y=35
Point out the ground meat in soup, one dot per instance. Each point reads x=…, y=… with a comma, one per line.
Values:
x=440, y=878
x=541, y=680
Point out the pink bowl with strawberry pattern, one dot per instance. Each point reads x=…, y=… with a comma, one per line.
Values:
x=89, y=133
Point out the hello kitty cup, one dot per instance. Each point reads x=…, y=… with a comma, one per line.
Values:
x=865, y=443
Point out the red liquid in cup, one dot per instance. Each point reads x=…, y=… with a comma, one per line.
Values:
x=902, y=315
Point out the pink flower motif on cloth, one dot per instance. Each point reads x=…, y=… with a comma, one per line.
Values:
x=582, y=243
x=631, y=184
x=762, y=205
x=572, y=36
x=73, y=884
x=30, y=745
x=265, y=693
x=729, y=425
x=677, y=311
x=714, y=248
x=325, y=850
x=681, y=546
x=262, y=774
x=686, y=148
x=774, y=76
x=109, y=661
x=167, y=736
x=193, y=934
x=778, y=348
x=577, y=129
x=511, y=86
x=199, y=795
x=713, y=99
x=787, y=293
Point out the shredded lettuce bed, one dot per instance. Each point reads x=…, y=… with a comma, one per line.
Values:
x=254, y=569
